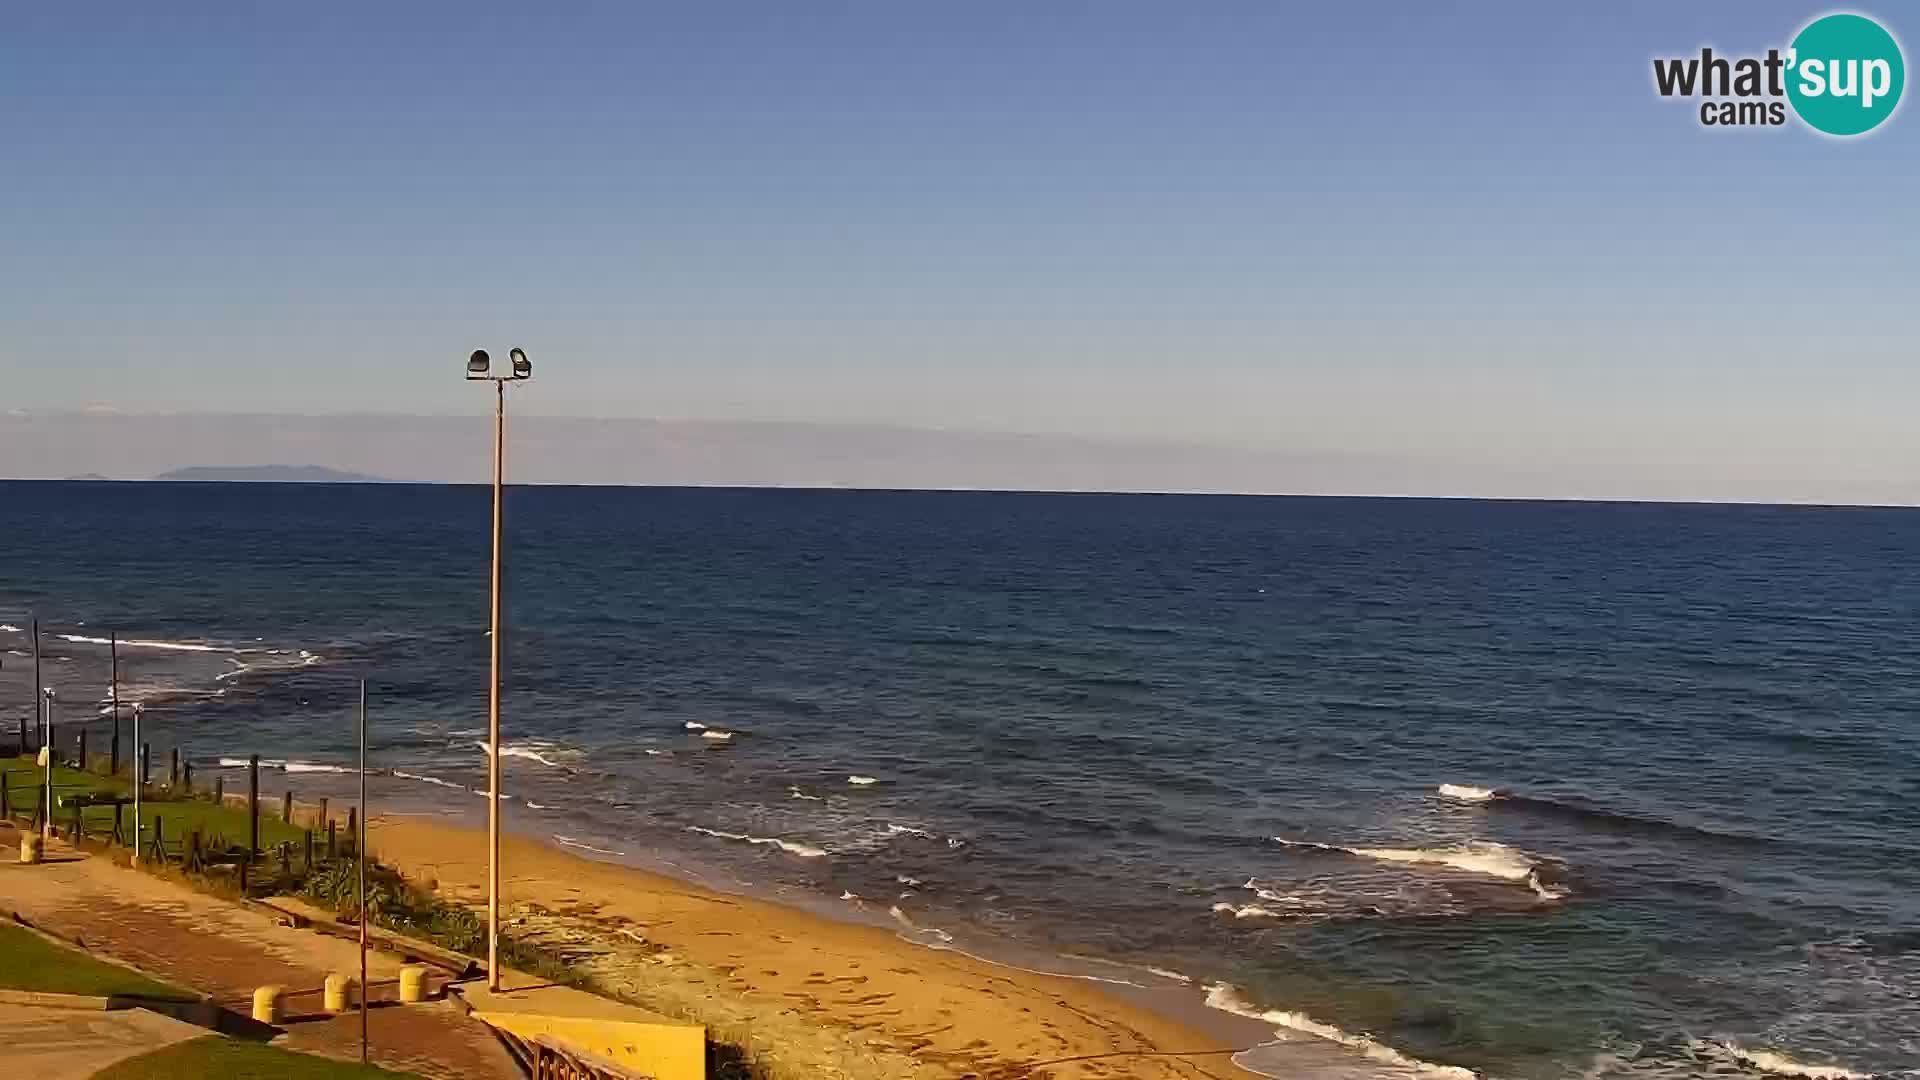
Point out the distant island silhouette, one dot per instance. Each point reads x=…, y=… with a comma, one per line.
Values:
x=271, y=474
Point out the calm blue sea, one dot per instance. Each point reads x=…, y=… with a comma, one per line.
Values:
x=1531, y=789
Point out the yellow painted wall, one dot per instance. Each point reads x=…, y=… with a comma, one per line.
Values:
x=662, y=1051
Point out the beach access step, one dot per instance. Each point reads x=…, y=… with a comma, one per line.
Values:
x=559, y=1033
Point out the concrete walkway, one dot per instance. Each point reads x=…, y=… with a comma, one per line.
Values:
x=74, y=1044
x=224, y=950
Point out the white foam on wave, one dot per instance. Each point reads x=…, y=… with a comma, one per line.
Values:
x=695, y=725
x=531, y=805
x=1166, y=974
x=1295, y=904
x=909, y=830
x=9, y=628
x=421, y=777
x=933, y=932
x=529, y=753
x=862, y=781
x=798, y=794
x=717, y=736
x=1489, y=859
x=286, y=766
x=137, y=643
x=1467, y=793
x=568, y=841
x=1782, y=1065
x=1245, y=911
x=305, y=659
x=805, y=851
x=1226, y=999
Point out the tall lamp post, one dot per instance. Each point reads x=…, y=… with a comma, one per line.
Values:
x=478, y=366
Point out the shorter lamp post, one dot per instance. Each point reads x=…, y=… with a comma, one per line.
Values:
x=46, y=751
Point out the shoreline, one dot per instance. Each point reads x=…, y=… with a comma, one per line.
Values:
x=807, y=994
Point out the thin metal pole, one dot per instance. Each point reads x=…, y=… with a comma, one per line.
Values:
x=139, y=779
x=361, y=844
x=47, y=748
x=39, y=724
x=113, y=695
x=493, y=700
x=39, y=717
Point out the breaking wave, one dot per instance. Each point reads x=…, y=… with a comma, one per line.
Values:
x=137, y=643
x=1245, y=911
x=1598, y=816
x=568, y=841
x=1226, y=999
x=421, y=777
x=862, y=781
x=286, y=766
x=805, y=851
x=1483, y=858
x=528, y=752
x=1782, y=1065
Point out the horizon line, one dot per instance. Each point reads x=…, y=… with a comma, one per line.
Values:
x=1078, y=492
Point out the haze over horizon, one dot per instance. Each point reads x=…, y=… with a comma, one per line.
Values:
x=1240, y=248
x=652, y=452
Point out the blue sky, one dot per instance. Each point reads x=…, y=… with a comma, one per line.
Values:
x=1467, y=230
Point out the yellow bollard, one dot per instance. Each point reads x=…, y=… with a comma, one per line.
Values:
x=338, y=992
x=413, y=984
x=31, y=847
x=266, y=1004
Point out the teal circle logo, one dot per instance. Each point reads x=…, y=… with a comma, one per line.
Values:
x=1845, y=74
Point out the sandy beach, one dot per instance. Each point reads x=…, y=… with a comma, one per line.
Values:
x=805, y=995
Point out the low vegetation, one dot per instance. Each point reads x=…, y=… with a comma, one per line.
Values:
x=31, y=962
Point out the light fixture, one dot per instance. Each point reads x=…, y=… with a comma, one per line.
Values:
x=522, y=367
x=477, y=364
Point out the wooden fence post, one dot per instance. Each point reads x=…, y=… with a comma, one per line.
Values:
x=220, y=791
x=286, y=808
x=84, y=766
x=323, y=811
x=173, y=771
x=186, y=776
x=333, y=846
x=146, y=764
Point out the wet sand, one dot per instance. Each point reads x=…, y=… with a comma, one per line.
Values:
x=806, y=996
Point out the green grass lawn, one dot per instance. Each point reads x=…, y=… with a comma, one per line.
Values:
x=231, y=1059
x=31, y=962
x=178, y=818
